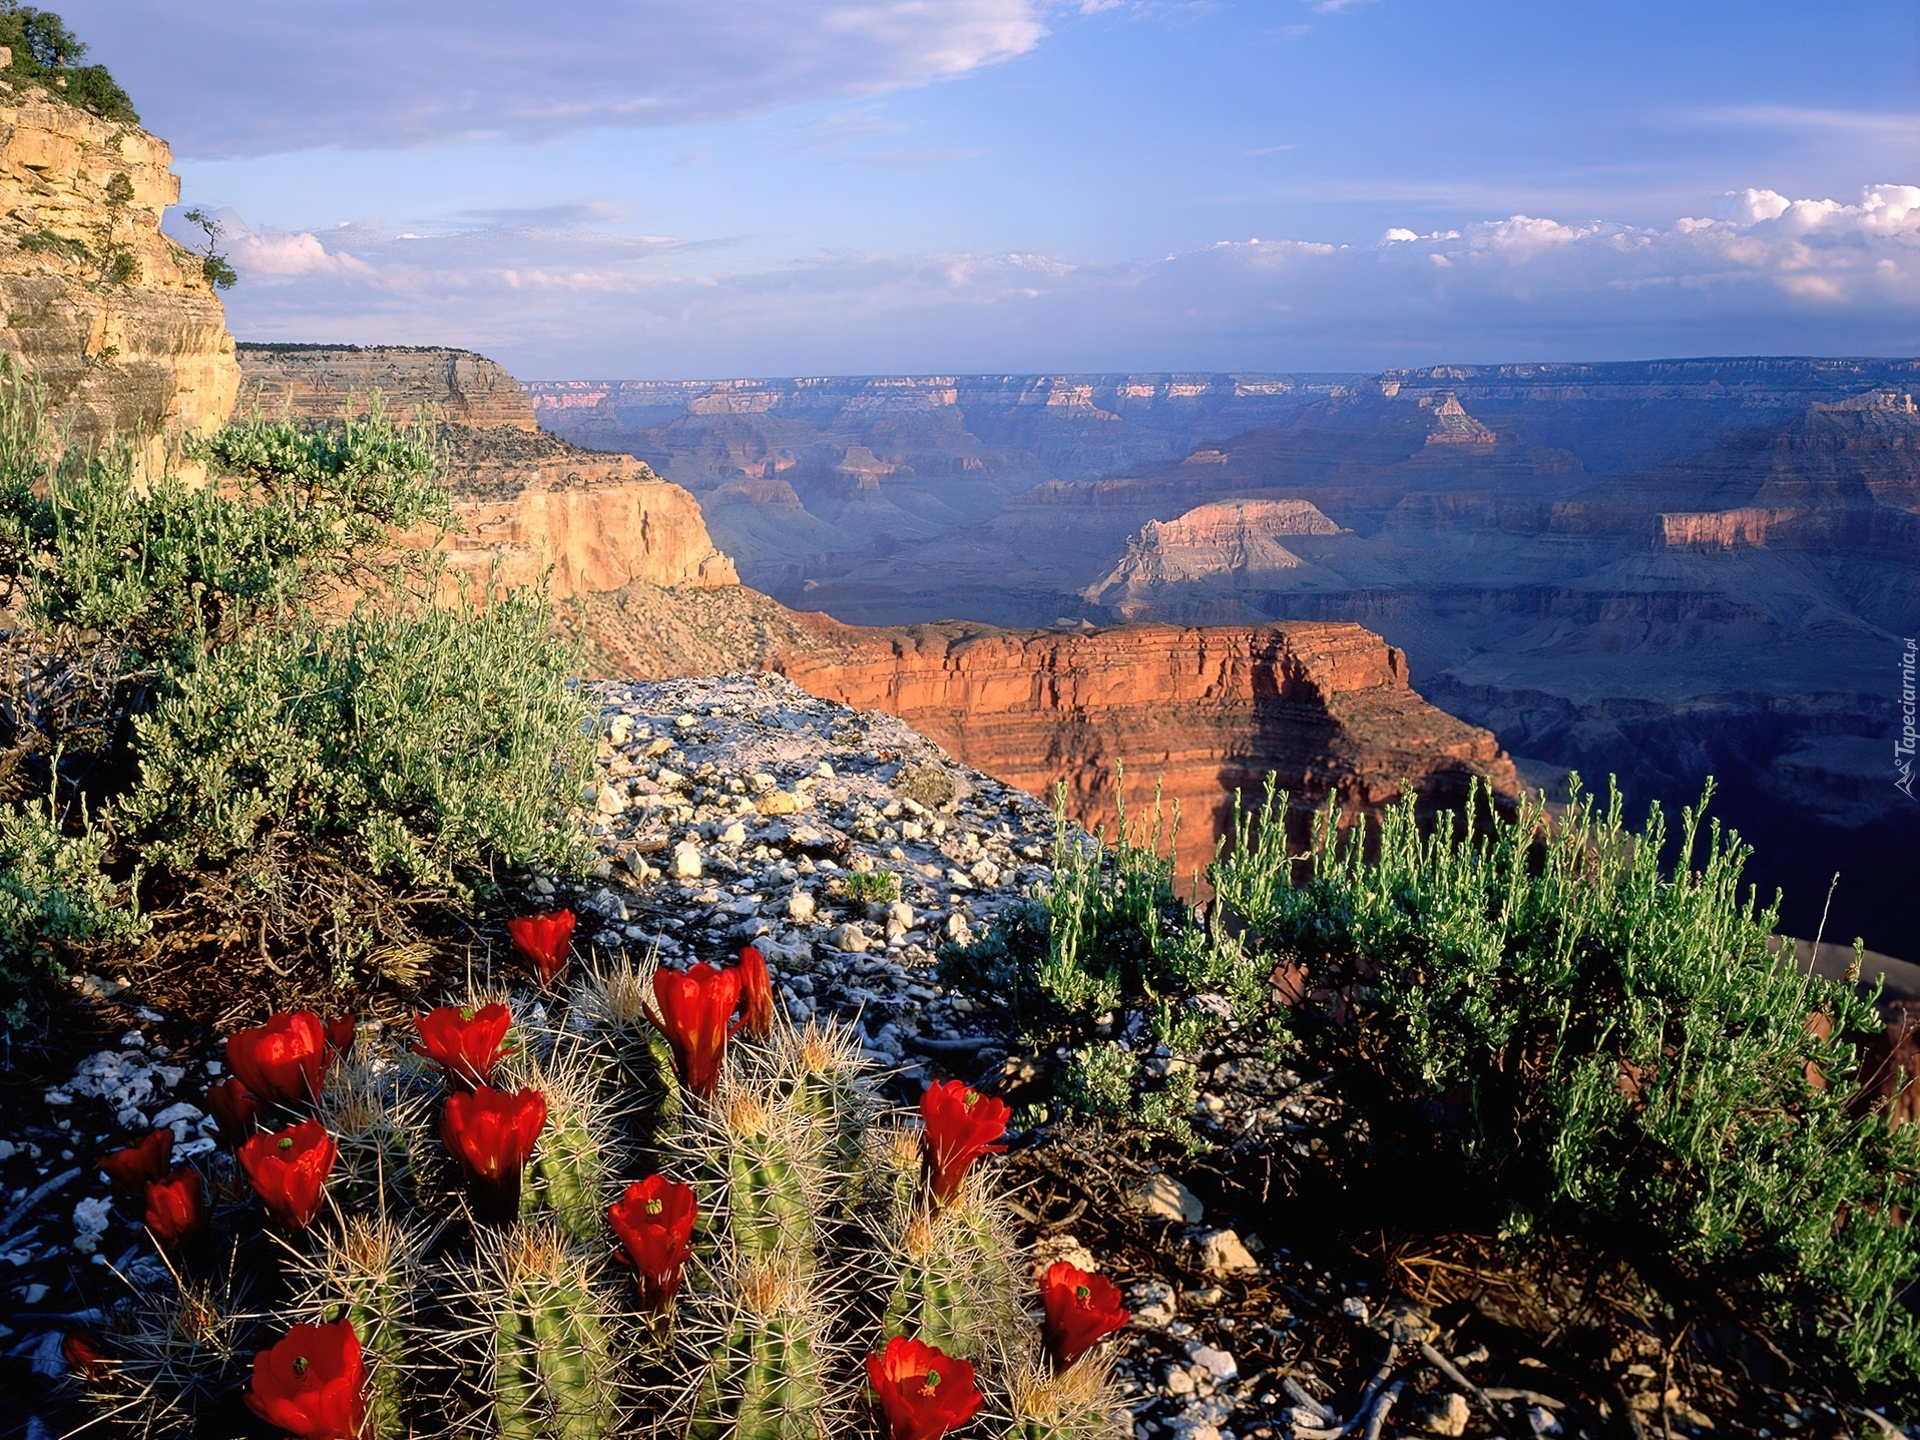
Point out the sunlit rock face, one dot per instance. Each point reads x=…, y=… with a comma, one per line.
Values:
x=1194, y=713
x=115, y=320
x=530, y=503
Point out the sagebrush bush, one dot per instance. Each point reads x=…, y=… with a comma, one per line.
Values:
x=437, y=744
x=1110, y=945
x=1609, y=1046
x=247, y=689
x=53, y=892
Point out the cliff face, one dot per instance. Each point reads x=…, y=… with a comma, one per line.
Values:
x=1207, y=553
x=1201, y=712
x=114, y=318
x=319, y=381
x=529, y=501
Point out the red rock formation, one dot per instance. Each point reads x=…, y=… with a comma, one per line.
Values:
x=1198, y=711
x=1723, y=529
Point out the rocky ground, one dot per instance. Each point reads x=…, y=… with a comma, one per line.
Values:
x=849, y=848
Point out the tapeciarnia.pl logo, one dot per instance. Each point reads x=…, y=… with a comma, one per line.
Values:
x=1903, y=745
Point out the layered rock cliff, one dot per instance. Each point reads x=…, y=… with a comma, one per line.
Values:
x=115, y=319
x=1196, y=713
x=321, y=382
x=1207, y=554
x=530, y=502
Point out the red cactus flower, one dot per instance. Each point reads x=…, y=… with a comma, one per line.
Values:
x=289, y=1171
x=654, y=1220
x=544, y=939
x=313, y=1383
x=923, y=1391
x=464, y=1043
x=131, y=1170
x=177, y=1206
x=281, y=1061
x=756, y=995
x=1082, y=1309
x=82, y=1353
x=492, y=1134
x=962, y=1125
x=695, y=1010
x=340, y=1033
x=236, y=1110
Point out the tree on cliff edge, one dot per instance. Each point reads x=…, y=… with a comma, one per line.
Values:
x=42, y=50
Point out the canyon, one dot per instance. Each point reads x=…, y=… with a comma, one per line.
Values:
x=1654, y=571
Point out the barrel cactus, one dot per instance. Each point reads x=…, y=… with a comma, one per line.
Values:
x=595, y=1213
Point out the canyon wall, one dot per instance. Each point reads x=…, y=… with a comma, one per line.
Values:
x=531, y=504
x=1198, y=712
x=320, y=382
x=112, y=317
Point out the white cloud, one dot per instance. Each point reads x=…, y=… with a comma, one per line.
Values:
x=223, y=79
x=1797, y=276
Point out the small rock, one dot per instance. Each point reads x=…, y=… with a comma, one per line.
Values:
x=848, y=937
x=984, y=872
x=1207, y=1295
x=90, y=1219
x=800, y=907
x=1441, y=1414
x=734, y=834
x=900, y=913
x=686, y=861
x=1162, y=1197
x=1179, y=1380
x=958, y=931
x=1354, y=1308
x=1067, y=1247
x=780, y=802
x=1222, y=1253
x=1152, y=1303
x=609, y=801
x=1217, y=1363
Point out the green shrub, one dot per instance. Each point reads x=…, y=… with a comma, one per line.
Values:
x=873, y=886
x=53, y=892
x=1605, y=1046
x=437, y=744
x=1108, y=938
x=278, y=774
x=44, y=50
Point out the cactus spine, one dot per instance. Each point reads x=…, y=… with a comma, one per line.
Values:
x=815, y=1243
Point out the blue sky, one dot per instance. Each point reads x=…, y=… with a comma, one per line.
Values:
x=758, y=187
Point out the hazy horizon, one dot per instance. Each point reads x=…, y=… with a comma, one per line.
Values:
x=661, y=189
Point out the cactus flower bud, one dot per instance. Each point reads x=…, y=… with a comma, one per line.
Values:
x=492, y=1134
x=131, y=1170
x=756, y=995
x=465, y=1044
x=289, y=1171
x=654, y=1221
x=281, y=1061
x=177, y=1207
x=313, y=1383
x=962, y=1125
x=236, y=1110
x=1082, y=1309
x=695, y=1014
x=545, y=940
x=923, y=1391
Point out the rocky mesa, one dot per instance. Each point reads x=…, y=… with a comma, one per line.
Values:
x=530, y=502
x=1195, y=713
